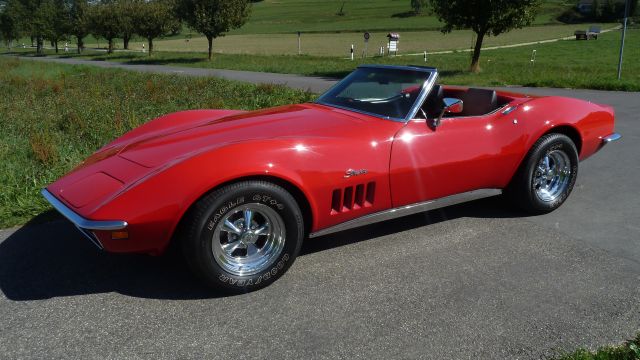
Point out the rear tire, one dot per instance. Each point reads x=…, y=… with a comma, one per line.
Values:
x=547, y=175
x=243, y=236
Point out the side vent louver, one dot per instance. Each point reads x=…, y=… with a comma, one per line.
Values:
x=352, y=198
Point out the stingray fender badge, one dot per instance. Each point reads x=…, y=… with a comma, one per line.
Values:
x=351, y=173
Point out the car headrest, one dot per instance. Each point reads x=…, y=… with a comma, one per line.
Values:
x=479, y=102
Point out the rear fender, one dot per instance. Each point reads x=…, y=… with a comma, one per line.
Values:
x=588, y=120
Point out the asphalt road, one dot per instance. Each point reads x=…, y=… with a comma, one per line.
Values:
x=476, y=281
x=313, y=84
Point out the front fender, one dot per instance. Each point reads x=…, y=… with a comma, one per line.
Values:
x=316, y=166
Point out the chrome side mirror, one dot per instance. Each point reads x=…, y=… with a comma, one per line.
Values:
x=449, y=106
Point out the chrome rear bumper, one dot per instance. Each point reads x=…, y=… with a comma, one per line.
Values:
x=84, y=225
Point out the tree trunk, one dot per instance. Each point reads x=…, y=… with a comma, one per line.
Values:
x=110, y=48
x=475, y=60
x=31, y=41
x=150, y=45
x=210, y=40
x=56, y=45
x=39, y=45
x=80, y=45
x=125, y=39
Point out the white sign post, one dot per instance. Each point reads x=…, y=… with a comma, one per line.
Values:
x=533, y=57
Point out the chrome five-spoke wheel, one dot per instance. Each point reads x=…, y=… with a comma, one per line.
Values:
x=547, y=175
x=242, y=236
x=552, y=176
x=248, y=239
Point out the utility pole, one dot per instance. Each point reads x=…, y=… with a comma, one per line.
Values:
x=624, y=33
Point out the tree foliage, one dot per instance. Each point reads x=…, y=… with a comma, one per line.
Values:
x=419, y=6
x=10, y=21
x=484, y=17
x=104, y=22
x=214, y=18
x=59, y=22
x=79, y=21
x=37, y=20
x=127, y=12
x=154, y=19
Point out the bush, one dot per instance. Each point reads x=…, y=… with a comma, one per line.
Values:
x=571, y=16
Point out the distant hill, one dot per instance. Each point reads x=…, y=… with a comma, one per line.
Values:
x=288, y=16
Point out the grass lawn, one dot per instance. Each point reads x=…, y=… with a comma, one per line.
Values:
x=570, y=63
x=339, y=44
x=273, y=24
x=287, y=16
x=53, y=116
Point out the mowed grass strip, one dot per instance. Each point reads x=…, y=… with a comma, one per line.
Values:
x=53, y=116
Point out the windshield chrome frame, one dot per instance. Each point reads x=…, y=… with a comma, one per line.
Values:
x=427, y=86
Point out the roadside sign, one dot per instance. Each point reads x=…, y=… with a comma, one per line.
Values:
x=393, y=46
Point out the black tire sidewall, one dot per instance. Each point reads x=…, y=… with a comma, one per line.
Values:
x=543, y=147
x=213, y=209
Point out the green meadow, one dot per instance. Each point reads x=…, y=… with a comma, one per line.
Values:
x=53, y=116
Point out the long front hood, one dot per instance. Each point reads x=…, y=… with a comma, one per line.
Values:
x=171, y=139
x=298, y=121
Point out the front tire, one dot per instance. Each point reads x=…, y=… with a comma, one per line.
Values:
x=243, y=236
x=547, y=175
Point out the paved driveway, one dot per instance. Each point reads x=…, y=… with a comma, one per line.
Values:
x=478, y=281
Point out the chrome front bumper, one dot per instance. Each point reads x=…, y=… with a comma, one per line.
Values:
x=611, y=138
x=84, y=225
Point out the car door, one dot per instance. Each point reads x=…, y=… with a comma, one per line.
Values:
x=462, y=154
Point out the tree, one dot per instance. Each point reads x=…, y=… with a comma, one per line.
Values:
x=127, y=14
x=609, y=12
x=104, y=22
x=596, y=10
x=484, y=17
x=214, y=18
x=37, y=18
x=79, y=21
x=154, y=19
x=419, y=5
x=59, y=22
x=10, y=21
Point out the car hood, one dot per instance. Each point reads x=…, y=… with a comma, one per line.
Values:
x=173, y=138
x=158, y=147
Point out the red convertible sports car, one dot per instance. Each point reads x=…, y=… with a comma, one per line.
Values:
x=240, y=191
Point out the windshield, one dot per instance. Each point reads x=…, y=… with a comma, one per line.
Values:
x=380, y=91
